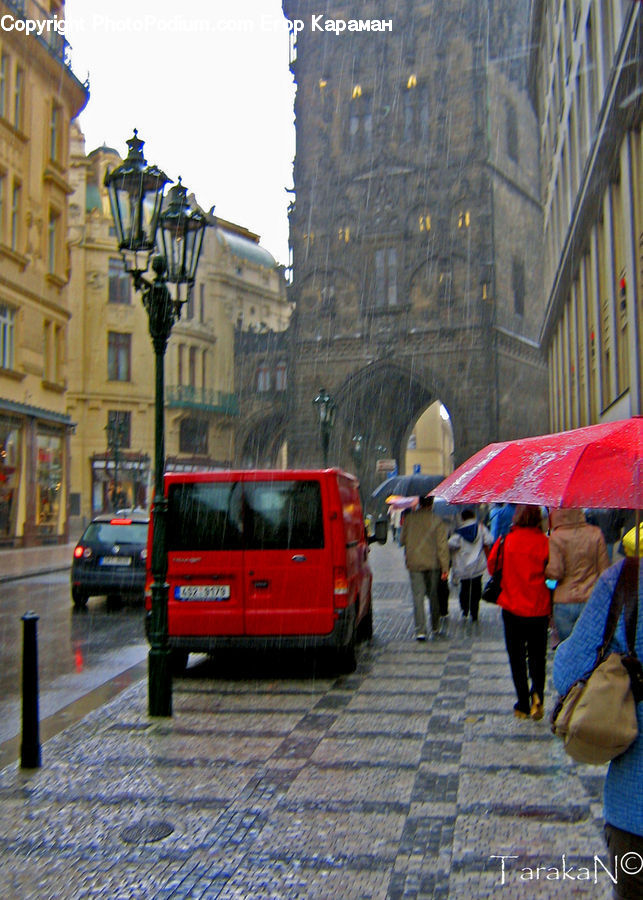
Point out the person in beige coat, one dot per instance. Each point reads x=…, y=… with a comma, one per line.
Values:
x=577, y=556
x=424, y=538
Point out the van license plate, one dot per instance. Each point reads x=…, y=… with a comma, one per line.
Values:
x=115, y=561
x=202, y=592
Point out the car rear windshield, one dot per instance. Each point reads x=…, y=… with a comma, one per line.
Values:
x=204, y=516
x=283, y=515
x=268, y=515
x=106, y=533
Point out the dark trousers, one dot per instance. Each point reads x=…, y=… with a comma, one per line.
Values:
x=619, y=844
x=526, y=642
x=443, y=596
x=470, y=590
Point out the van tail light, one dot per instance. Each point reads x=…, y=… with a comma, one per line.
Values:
x=340, y=586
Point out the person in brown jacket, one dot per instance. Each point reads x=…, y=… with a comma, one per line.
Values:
x=577, y=556
x=424, y=538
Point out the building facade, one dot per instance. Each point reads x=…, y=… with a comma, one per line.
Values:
x=39, y=96
x=585, y=79
x=416, y=227
x=111, y=371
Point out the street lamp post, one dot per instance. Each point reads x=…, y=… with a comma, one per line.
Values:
x=144, y=222
x=325, y=405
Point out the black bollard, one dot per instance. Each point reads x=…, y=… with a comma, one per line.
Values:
x=30, y=747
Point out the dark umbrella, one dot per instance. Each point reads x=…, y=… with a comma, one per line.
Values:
x=417, y=485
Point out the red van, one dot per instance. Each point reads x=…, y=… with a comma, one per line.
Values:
x=266, y=559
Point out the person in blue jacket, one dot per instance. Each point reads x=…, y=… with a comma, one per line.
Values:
x=500, y=519
x=623, y=794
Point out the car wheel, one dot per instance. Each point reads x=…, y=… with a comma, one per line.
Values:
x=79, y=598
x=178, y=662
x=365, y=629
x=346, y=656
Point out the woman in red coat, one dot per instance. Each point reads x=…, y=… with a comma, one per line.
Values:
x=525, y=600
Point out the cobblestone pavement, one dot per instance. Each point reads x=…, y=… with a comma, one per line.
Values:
x=402, y=780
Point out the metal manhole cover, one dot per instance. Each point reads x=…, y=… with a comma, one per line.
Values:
x=146, y=832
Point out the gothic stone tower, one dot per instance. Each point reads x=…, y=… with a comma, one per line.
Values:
x=416, y=226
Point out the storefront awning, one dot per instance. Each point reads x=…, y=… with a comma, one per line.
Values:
x=36, y=412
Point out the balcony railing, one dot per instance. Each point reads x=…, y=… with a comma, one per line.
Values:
x=53, y=40
x=204, y=399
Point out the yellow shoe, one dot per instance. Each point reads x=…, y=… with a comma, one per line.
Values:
x=537, y=708
x=519, y=714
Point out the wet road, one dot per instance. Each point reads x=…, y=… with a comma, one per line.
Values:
x=78, y=650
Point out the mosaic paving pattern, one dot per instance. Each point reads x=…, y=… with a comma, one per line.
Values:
x=402, y=781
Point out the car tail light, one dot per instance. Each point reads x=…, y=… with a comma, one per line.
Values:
x=81, y=552
x=143, y=555
x=148, y=597
x=340, y=586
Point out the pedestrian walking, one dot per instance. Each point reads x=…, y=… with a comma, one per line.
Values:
x=525, y=601
x=426, y=554
x=577, y=556
x=611, y=522
x=500, y=519
x=622, y=794
x=468, y=544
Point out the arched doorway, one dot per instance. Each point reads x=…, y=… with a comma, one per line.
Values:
x=429, y=447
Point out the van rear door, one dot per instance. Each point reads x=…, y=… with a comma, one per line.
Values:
x=288, y=568
x=205, y=558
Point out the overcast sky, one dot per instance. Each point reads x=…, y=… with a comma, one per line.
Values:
x=207, y=84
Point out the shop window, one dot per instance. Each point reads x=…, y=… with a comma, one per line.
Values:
x=193, y=437
x=7, y=337
x=10, y=432
x=49, y=475
x=118, y=282
x=119, y=352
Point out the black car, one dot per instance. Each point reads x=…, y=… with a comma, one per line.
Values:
x=110, y=558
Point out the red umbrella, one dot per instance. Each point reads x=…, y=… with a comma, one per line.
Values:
x=596, y=466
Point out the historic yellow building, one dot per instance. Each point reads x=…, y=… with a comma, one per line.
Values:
x=111, y=362
x=39, y=95
x=586, y=72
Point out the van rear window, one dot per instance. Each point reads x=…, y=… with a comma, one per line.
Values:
x=204, y=516
x=283, y=515
x=258, y=515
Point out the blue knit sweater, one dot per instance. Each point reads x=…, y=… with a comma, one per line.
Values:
x=623, y=797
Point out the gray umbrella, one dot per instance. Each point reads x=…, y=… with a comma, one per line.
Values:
x=417, y=485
